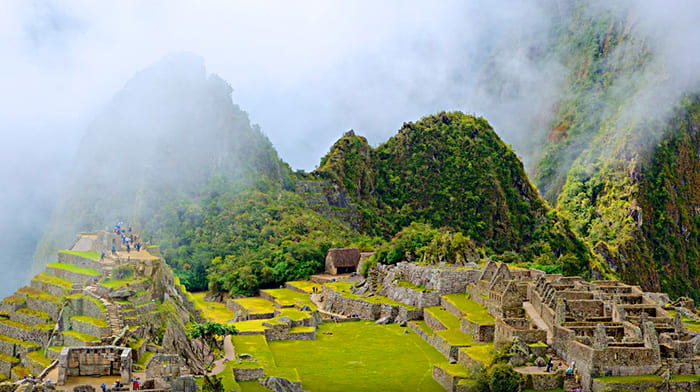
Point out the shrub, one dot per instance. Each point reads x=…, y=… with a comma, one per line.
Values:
x=502, y=378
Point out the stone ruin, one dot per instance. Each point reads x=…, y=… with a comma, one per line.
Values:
x=606, y=327
x=94, y=361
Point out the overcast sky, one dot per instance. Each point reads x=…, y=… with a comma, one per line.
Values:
x=305, y=71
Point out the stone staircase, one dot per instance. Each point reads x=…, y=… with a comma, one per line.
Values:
x=114, y=318
x=570, y=383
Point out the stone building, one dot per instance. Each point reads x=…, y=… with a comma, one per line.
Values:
x=342, y=260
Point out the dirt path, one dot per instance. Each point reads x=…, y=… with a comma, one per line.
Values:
x=229, y=355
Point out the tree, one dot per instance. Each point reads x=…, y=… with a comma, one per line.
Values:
x=210, y=332
x=502, y=378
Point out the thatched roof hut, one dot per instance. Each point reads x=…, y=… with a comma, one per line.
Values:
x=342, y=260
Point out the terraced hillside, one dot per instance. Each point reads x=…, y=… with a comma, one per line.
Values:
x=92, y=297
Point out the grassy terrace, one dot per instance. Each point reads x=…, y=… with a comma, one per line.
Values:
x=74, y=268
x=251, y=326
x=455, y=337
x=305, y=285
x=31, y=292
x=82, y=336
x=21, y=371
x=288, y=297
x=12, y=340
x=8, y=358
x=630, y=379
x=293, y=314
x=14, y=299
x=90, y=254
x=143, y=360
x=91, y=320
x=54, y=281
x=16, y=324
x=39, y=358
x=688, y=323
x=482, y=352
x=360, y=356
x=45, y=327
x=472, y=310
x=256, y=305
x=423, y=326
x=254, y=345
x=33, y=312
x=449, y=320
x=214, y=311
x=119, y=283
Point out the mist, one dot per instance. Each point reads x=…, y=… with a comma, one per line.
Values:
x=306, y=73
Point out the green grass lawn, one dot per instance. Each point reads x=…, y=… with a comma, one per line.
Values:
x=293, y=314
x=688, y=323
x=88, y=254
x=287, y=297
x=91, y=320
x=449, y=320
x=254, y=345
x=305, y=285
x=74, y=268
x=455, y=337
x=52, y=280
x=251, y=325
x=256, y=305
x=472, y=310
x=214, y=311
x=361, y=356
x=482, y=352
x=630, y=379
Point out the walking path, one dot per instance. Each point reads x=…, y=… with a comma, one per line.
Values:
x=229, y=355
x=114, y=318
x=535, y=317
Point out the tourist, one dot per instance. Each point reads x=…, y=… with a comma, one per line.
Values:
x=128, y=248
x=103, y=386
x=549, y=365
x=138, y=247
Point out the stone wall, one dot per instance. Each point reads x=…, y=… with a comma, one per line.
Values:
x=94, y=361
x=80, y=261
x=480, y=332
x=72, y=276
x=28, y=335
x=505, y=333
x=443, y=278
x=248, y=374
x=283, y=331
x=89, y=328
x=542, y=381
x=28, y=319
x=448, y=381
x=409, y=296
x=243, y=314
x=87, y=305
x=337, y=303
x=165, y=366
x=52, y=289
x=6, y=367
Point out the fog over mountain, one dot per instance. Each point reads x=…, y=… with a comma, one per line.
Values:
x=305, y=73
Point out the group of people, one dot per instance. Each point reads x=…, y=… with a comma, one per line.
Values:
x=135, y=383
x=129, y=239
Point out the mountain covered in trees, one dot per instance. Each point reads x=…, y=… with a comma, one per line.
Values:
x=616, y=194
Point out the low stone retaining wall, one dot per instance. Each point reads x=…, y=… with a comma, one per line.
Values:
x=52, y=289
x=243, y=313
x=541, y=381
x=12, y=303
x=448, y=381
x=505, y=333
x=88, y=305
x=89, y=328
x=480, y=332
x=145, y=308
x=448, y=350
x=409, y=296
x=281, y=384
x=28, y=319
x=468, y=362
x=248, y=374
x=6, y=367
x=283, y=332
x=433, y=322
x=442, y=278
x=336, y=303
x=29, y=335
x=80, y=261
x=76, y=277
x=45, y=305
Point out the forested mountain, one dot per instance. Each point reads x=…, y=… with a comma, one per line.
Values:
x=615, y=164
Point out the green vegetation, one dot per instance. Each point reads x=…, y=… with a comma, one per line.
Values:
x=255, y=305
x=8, y=358
x=31, y=292
x=143, y=360
x=74, y=268
x=52, y=280
x=24, y=343
x=482, y=352
x=472, y=310
x=630, y=379
x=14, y=299
x=293, y=314
x=455, y=337
x=82, y=336
x=287, y=297
x=213, y=311
x=15, y=324
x=91, y=320
x=449, y=320
x=305, y=285
x=344, y=289
x=409, y=285
x=21, y=371
x=386, y=359
x=39, y=358
x=89, y=254
x=34, y=312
